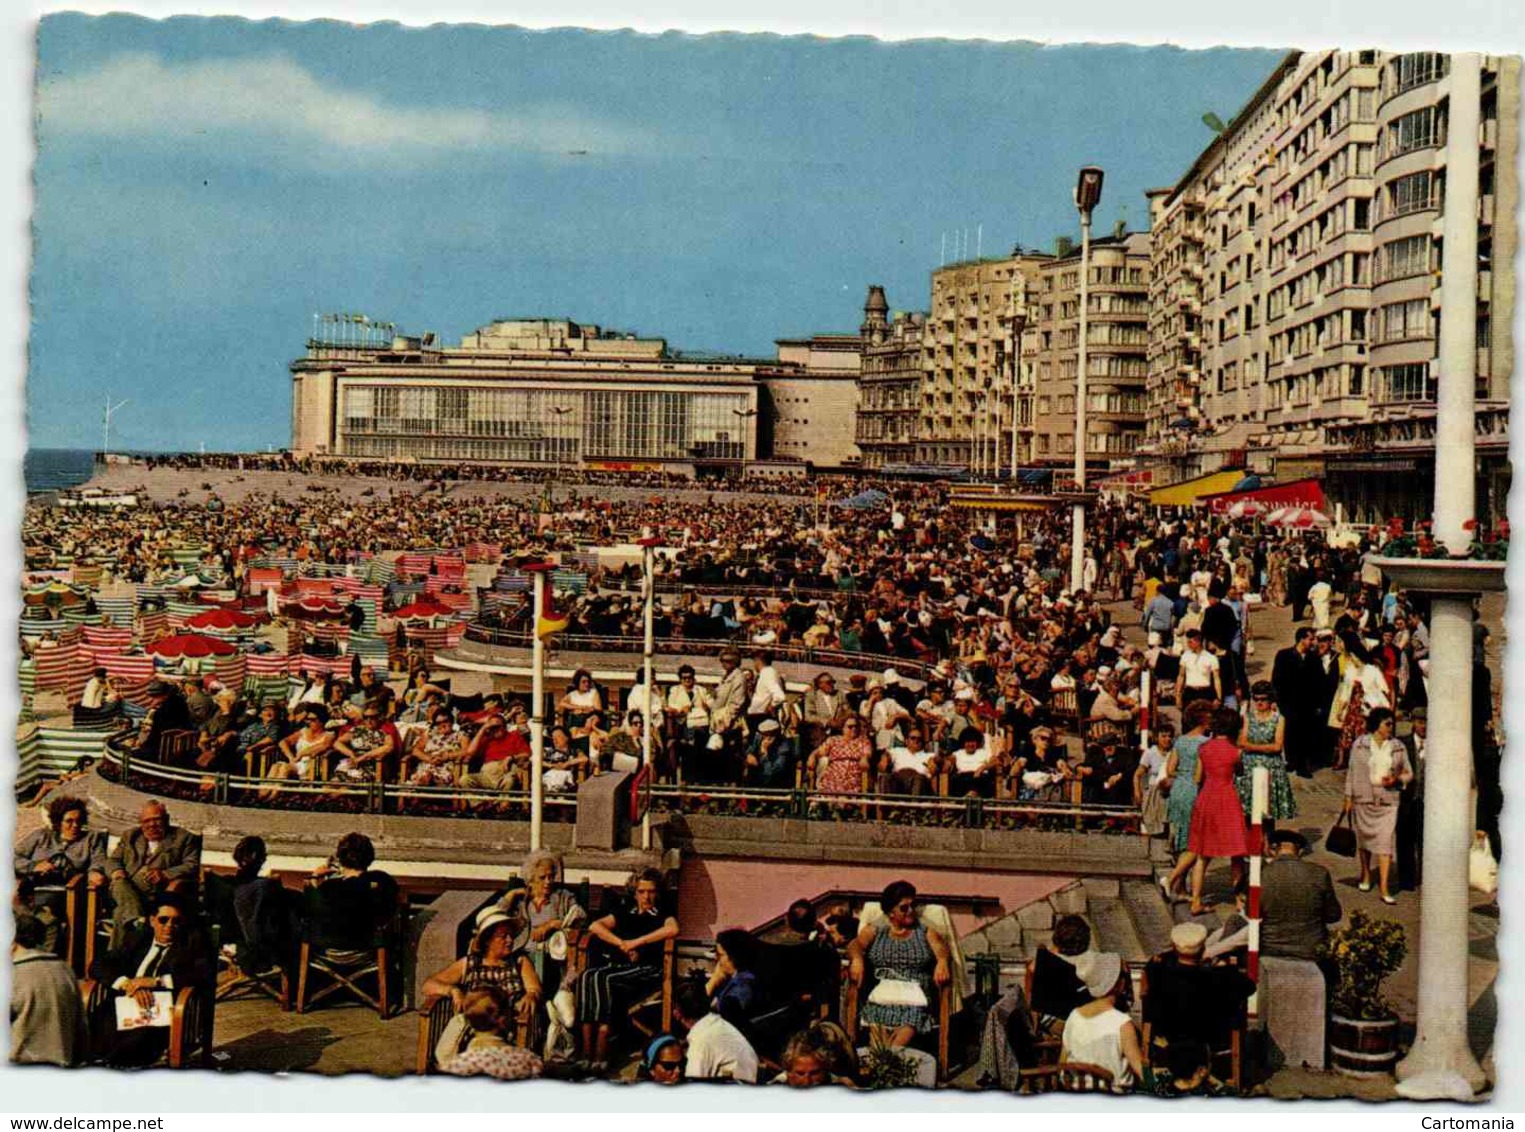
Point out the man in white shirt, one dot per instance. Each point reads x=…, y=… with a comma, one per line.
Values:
x=769, y=694
x=1198, y=678
x=716, y=1049
x=910, y=767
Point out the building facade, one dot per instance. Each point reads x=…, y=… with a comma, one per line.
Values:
x=1295, y=294
x=971, y=391
x=809, y=401
x=1117, y=342
x=526, y=392
x=889, y=384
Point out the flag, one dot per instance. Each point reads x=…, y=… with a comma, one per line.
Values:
x=551, y=620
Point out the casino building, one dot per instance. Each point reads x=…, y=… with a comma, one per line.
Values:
x=521, y=391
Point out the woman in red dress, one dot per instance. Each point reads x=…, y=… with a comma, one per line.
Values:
x=1217, y=819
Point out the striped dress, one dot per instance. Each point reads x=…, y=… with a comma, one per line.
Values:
x=909, y=957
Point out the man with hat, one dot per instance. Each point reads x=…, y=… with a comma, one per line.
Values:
x=166, y=712
x=1410, y=832
x=1297, y=900
x=726, y=716
x=1325, y=683
x=217, y=742
x=1188, y=1000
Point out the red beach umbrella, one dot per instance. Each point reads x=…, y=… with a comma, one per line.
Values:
x=222, y=620
x=179, y=645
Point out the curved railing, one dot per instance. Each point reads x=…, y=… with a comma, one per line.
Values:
x=686, y=646
x=720, y=800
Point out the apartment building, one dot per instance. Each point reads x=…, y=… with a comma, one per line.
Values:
x=889, y=385
x=1117, y=345
x=971, y=390
x=1294, y=303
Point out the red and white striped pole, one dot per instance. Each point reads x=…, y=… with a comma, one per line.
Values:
x=1260, y=791
x=1145, y=709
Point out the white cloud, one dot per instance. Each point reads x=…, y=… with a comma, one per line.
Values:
x=272, y=98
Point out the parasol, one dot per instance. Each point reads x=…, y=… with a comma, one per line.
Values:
x=179, y=645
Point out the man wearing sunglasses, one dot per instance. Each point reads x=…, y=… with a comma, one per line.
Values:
x=165, y=955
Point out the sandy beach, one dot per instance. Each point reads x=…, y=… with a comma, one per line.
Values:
x=197, y=485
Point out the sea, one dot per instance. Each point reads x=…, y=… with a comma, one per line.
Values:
x=57, y=469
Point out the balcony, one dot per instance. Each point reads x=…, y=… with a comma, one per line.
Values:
x=1485, y=209
x=1484, y=286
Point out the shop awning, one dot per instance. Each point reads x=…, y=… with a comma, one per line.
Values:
x=1295, y=493
x=1187, y=492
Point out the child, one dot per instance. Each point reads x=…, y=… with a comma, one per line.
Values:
x=1146, y=783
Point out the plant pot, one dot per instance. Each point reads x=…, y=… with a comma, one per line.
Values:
x=1362, y=1048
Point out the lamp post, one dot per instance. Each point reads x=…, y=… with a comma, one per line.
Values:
x=1018, y=326
x=1087, y=197
x=744, y=414
x=561, y=411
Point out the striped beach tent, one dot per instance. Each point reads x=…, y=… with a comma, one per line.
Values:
x=413, y=565
x=569, y=581
x=114, y=636
x=87, y=575
x=262, y=578
x=152, y=626
x=119, y=609
x=431, y=639
x=511, y=582
x=379, y=571
x=76, y=615
x=54, y=665
x=314, y=587
x=482, y=552
x=460, y=603
x=128, y=669
x=231, y=670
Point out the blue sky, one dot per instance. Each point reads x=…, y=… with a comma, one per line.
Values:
x=203, y=186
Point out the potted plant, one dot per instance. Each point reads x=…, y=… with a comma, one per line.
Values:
x=884, y=1066
x=1363, y=1030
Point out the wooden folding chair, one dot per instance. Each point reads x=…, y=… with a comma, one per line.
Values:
x=175, y=747
x=233, y=982
x=344, y=968
x=1044, y=1043
x=850, y=1019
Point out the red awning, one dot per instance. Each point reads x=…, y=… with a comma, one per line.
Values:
x=1295, y=493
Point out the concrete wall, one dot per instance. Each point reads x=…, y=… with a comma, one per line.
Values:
x=814, y=417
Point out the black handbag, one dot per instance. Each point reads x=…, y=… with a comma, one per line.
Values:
x=1341, y=840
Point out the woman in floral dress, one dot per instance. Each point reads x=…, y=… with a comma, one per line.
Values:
x=1262, y=740
x=846, y=757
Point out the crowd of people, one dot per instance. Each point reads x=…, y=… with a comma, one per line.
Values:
x=971, y=668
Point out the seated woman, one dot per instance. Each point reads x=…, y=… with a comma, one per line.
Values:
x=302, y=751
x=436, y=751
x=973, y=766
x=1041, y=768
x=733, y=983
x=562, y=762
x=548, y=907
x=588, y=739
x=633, y=935
x=486, y=1050
x=1101, y=1032
x=580, y=700
x=770, y=757
x=837, y=765
x=364, y=746
x=492, y=961
x=256, y=914
x=49, y=858
x=910, y=965
x=261, y=738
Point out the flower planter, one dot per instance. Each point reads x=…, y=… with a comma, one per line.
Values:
x=1443, y=575
x=1361, y=1048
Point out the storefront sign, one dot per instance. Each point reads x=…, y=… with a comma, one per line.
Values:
x=1372, y=465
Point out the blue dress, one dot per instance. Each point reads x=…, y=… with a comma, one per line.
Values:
x=910, y=958
x=1183, y=789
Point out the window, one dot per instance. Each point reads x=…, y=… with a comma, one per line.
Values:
x=1409, y=71
x=1409, y=319
x=1410, y=194
x=1409, y=382
x=1402, y=258
x=1418, y=130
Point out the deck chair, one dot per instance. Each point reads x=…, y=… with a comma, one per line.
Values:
x=658, y=1001
x=233, y=981
x=949, y=1002
x=1072, y=1077
x=1227, y=1048
x=175, y=747
x=344, y=965
x=1065, y=709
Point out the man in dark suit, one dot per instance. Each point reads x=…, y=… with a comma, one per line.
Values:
x=167, y=711
x=165, y=955
x=1220, y=624
x=1297, y=901
x=1293, y=677
x=1324, y=681
x=154, y=858
x=1190, y=1000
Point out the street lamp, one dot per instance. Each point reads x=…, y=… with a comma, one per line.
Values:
x=560, y=411
x=1087, y=197
x=1018, y=326
x=744, y=414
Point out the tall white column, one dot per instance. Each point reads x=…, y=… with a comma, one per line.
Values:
x=648, y=724
x=1077, y=534
x=537, y=717
x=1440, y=1064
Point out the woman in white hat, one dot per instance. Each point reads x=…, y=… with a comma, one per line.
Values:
x=1100, y=1032
x=491, y=961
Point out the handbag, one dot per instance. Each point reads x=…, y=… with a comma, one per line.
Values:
x=1341, y=840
